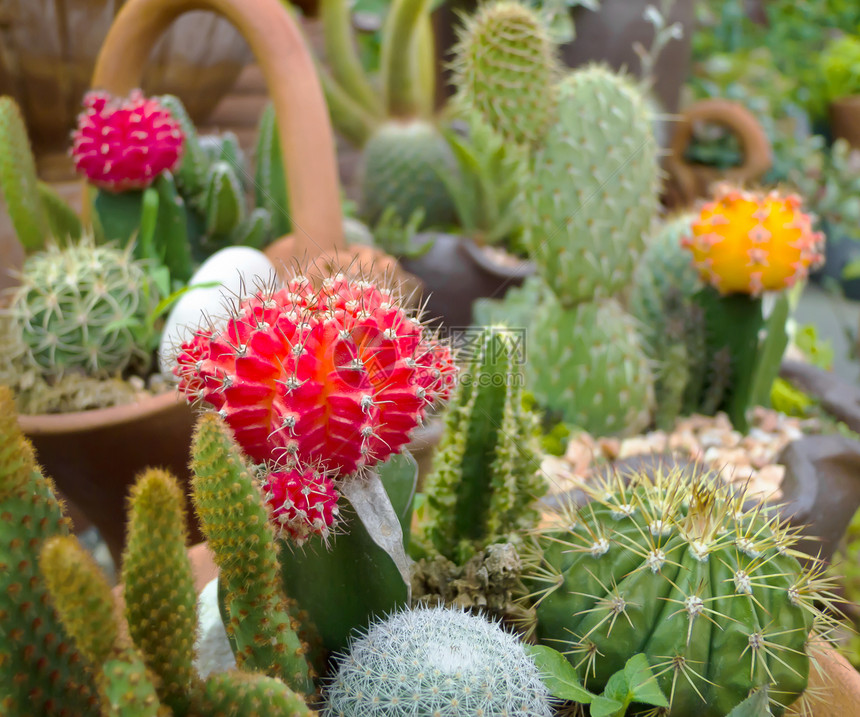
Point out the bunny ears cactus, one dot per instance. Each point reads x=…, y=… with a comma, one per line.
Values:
x=123, y=144
x=317, y=384
x=750, y=242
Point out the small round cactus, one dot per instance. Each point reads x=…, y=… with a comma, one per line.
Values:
x=436, y=661
x=678, y=565
x=301, y=502
x=122, y=144
x=750, y=242
x=83, y=308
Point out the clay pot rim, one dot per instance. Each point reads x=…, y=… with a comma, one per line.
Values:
x=524, y=269
x=42, y=424
x=847, y=102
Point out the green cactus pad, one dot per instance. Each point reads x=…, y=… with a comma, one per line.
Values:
x=270, y=187
x=84, y=308
x=160, y=600
x=19, y=184
x=486, y=480
x=506, y=70
x=593, y=188
x=235, y=523
x=587, y=363
x=246, y=694
x=673, y=565
x=225, y=200
x=402, y=165
x=42, y=672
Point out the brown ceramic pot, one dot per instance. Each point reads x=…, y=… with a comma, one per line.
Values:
x=687, y=181
x=845, y=120
x=94, y=455
x=49, y=50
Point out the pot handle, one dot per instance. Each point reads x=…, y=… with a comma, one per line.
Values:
x=758, y=157
x=307, y=143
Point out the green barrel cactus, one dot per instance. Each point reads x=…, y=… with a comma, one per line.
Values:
x=486, y=476
x=403, y=164
x=436, y=661
x=84, y=308
x=587, y=362
x=678, y=566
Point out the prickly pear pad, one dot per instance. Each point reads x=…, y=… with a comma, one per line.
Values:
x=677, y=567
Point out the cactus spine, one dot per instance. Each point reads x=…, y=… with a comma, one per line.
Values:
x=159, y=588
x=673, y=565
x=436, y=661
x=235, y=522
x=41, y=668
x=485, y=480
x=589, y=197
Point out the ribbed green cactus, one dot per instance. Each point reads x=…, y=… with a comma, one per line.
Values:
x=19, y=184
x=160, y=600
x=402, y=166
x=671, y=322
x=84, y=601
x=673, y=565
x=587, y=362
x=486, y=475
x=505, y=71
x=235, y=522
x=84, y=308
x=42, y=672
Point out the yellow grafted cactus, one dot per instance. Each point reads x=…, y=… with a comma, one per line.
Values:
x=749, y=242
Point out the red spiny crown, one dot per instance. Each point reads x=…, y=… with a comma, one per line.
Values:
x=123, y=144
x=338, y=377
x=301, y=502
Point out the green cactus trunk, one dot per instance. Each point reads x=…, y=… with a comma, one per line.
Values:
x=486, y=472
x=235, y=523
x=42, y=671
x=160, y=600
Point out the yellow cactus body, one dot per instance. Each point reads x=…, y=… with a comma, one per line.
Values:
x=749, y=242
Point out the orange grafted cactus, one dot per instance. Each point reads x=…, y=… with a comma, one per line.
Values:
x=750, y=242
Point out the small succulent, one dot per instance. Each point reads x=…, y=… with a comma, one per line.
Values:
x=436, y=661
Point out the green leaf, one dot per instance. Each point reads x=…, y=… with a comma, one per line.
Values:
x=606, y=707
x=558, y=674
x=643, y=685
x=618, y=688
x=756, y=705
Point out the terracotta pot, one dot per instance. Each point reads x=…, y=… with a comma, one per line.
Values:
x=49, y=51
x=457, y=271
x=94, y=455
x=845, y=120
x=687, y=181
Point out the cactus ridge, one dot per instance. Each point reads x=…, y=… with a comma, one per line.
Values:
x=235, y=522
x=485, y=480
x=160, y=600
x=42, y=670
x=675, y=566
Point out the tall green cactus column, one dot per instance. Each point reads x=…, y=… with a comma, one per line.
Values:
x=589, y=199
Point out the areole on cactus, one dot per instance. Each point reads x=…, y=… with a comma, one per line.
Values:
x=750, y=242
x=125, y=143
x=329, y=380
x=681, y=567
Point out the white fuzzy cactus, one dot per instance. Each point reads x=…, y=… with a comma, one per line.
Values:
x=436, y=661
